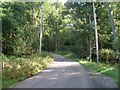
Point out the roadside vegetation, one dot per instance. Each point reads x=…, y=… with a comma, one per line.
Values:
x=16, y=69
x=65, y=27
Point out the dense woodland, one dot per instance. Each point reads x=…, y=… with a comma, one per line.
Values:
x=66, y=27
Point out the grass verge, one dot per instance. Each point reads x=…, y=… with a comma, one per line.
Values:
x=106, y=69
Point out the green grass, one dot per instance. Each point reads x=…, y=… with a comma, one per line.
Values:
x=8, y=82
x=106, y=69
x=103, y=68
x=68, y=54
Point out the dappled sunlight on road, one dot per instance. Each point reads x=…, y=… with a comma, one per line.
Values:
x=63, y=64
x=64, y=73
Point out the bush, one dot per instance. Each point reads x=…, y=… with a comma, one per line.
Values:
x=21, y=68
x=107, y=55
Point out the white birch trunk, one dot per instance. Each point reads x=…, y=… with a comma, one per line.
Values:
x=96, y=34
x=113, y=28
x=40, y=28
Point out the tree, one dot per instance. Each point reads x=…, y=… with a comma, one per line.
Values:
x=40, y=27
x=96, y=34
x=113, y=29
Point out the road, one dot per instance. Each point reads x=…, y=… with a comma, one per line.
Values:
x=64, y=73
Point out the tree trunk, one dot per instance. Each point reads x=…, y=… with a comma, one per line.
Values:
x=33, y=17
x=96, y=34
x=32, y=24
x=113, y=29
x=56, y=38
x=90, y=48
x=40, y=29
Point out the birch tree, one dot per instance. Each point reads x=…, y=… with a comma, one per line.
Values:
x=96, y=33
x=40, y=28
x=113, y=29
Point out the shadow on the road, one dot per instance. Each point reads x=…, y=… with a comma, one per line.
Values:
x=66, y=73
x=63, y=60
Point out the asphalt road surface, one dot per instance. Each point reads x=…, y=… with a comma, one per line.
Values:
x=64, y=73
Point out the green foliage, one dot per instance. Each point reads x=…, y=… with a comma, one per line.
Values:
x=66, y=27
x=107, y=55
x=16, y=68
x=17, y=32
x=69, y=54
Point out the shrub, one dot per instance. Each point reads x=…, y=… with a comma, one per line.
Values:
x=107, y=55
x=18, y=68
